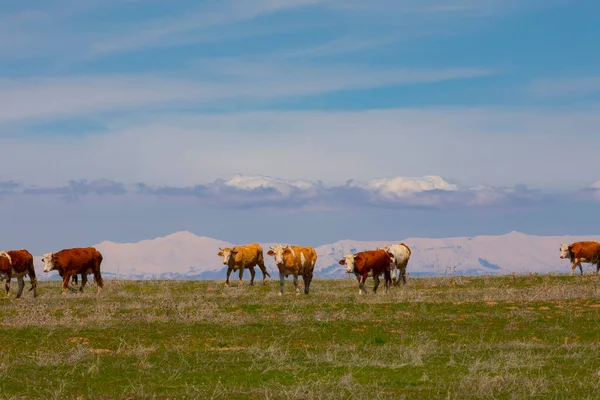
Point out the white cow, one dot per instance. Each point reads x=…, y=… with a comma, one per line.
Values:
x=400, y=254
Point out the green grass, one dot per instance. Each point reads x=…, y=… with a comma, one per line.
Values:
x=534, y=336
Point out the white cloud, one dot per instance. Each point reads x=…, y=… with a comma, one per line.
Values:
x=202, y=19
x=558, y=87
x=391, y=188
x=285, y=188
x=259, y=191
x=54, y=97
x=499, y=147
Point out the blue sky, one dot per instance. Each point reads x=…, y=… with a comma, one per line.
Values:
x=307, y=121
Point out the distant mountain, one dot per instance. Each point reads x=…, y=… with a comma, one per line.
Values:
x=480, y=255
x=184, y=255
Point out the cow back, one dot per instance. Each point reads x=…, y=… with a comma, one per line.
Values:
x=249, y=254
x=401, y=254
x=407, y=248
x=304, y=257
x=590, y=250
x=22, y=260
x=78, y=260
x=372, y=260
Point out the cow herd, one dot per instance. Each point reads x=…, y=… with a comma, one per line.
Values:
x=68, y=263
x=301, y=260
x=390, y=261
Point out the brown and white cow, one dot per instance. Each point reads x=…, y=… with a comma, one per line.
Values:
x=69, y=262
x=365, y=263
x=17, y=264
x=578, y=252
x=294, y=260
x=242, y=257
x=400, y=254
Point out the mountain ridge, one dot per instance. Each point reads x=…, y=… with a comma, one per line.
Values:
x=185, y=255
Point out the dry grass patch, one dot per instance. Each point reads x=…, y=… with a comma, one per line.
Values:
x=446, y=337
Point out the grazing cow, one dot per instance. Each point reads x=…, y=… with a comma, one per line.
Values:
x=241, y=257
x=69, y=262
x=365, y=263
x=17, y=264
x=295, y=260
x=400, y=254
x=578, y=252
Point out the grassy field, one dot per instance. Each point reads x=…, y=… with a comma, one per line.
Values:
x=532, y=336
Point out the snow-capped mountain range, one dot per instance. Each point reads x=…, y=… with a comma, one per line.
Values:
x=184, y=255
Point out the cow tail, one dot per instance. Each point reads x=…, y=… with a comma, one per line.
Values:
x=98, y=274
x=32, y=277
x=261, y=264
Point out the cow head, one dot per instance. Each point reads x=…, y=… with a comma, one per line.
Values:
x=565, y=251
x=226, y=253
x=348, y=261
x=48, y=262
x=277, y=252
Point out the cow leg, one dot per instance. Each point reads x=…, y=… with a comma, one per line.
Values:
x=296, y=283
x=388, y=280
x=21, y=282
x=32, y=280
x=403, y=273
x=281, y=282
x=84, y=280
x=241, y=277
x=7, y=286
x=229, y=269
x=66, y=280
x=395, y=276
x=597, y=268
x=252, y=274
x=307, y=279
x=264, y=271
x=574, y=266
x=361, y=283
x=97, y=278
x=376, y=279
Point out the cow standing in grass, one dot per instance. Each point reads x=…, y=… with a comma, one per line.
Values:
x=399, y=254
x=368, y=263
x=295, y=260
x=242, y=257
x=578, y=252
x=17, y=264
x=70, y=262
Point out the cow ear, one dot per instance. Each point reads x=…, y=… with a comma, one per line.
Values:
x=220, y=254
x=270, y=253
x=287, y=250
x=342, y=262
